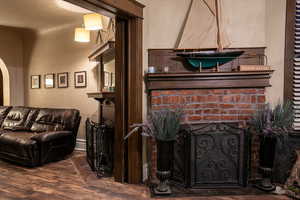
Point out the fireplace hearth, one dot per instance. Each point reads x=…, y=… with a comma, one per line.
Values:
x=213, y=155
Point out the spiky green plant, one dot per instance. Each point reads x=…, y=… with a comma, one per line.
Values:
x=165, y=124
x=162, y=125
x=275, y=121
x=283, y=116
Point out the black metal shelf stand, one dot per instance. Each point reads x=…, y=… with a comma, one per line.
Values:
x=99, y=147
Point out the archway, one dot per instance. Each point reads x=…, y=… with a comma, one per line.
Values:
x=6, y=83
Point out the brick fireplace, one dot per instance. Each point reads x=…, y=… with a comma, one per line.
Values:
x=210, y=97
x=210, y=105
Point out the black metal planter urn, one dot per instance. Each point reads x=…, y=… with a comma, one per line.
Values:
x=164, y=164
x=266, y=162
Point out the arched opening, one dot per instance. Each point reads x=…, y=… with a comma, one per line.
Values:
x=4, y=85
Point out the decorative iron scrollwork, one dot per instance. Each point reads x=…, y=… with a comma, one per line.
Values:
x=211, y=155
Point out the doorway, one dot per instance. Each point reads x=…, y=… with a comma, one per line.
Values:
x=1, y=89
x=129, y=79
x=4, y=85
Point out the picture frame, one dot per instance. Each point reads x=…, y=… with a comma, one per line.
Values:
x=63, y=80
x=80, y=79
x=107, y=78
x=35, y=81
x=49, y=81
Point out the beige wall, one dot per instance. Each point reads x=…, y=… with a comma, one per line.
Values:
x=164, y=21
x=259, y=23
x=109, y=110
x=55, y=52
x=275, y=35
x=11, y=52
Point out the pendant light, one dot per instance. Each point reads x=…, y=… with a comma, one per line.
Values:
x=93, y=21
x=82, y=35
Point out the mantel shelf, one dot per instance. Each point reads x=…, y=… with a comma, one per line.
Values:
x=208, y=80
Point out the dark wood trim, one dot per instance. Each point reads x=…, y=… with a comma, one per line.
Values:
x=103, y=50
x=112, y=7
x=289, y=49
x=121, y=101
x=163, y=81
x=150, y=49
x=95, y=6
x=135, y=107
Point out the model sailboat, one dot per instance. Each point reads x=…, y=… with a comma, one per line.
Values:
x=205, y=29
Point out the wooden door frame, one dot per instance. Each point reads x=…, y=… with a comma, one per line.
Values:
x=129, y=89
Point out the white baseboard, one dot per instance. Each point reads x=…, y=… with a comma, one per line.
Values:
x=80, y=145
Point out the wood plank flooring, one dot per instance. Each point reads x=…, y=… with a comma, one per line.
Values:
x=71, y=179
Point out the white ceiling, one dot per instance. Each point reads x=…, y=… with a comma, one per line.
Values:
x=40, y=15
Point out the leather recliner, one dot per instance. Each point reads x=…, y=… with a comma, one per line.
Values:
x=35, y=136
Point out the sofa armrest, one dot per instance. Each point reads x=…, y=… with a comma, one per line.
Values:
x=53, y=135
x=54, y=145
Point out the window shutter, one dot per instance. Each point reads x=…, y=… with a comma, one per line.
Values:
x=296, y=75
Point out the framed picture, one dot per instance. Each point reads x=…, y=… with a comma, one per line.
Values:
x=113, y=79
x=49, y=80
x=35, y=81
x=80, y=79
x=62, y=80
x=107, y=79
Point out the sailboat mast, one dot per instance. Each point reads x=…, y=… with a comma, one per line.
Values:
x=219, y=35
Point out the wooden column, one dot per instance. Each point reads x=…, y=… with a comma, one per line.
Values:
x=135, y=95
x=120, y=105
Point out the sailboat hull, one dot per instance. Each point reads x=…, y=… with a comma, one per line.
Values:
x=209, y=59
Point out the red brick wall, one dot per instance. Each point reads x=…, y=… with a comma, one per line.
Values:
x=210, y=105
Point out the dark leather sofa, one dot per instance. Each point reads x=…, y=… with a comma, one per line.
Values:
x=35, y=136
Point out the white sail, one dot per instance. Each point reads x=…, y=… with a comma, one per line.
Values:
x=204, y=27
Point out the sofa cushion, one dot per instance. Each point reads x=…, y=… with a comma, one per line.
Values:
x=16, y=119
x=55, y=120
x=19, y=144
x=3, y=113
x=31, y=117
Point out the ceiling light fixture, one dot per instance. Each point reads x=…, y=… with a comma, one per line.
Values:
x=82, y=35
x=93, y=21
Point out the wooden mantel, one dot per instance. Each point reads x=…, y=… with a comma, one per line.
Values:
x=208, y=80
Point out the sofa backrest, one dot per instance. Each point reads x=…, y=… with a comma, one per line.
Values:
x=49, y=119
x=39, y=119
x=19, y=118
x=3, y=113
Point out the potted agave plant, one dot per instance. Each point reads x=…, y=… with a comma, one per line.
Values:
x=163, y=126
x=273, y=126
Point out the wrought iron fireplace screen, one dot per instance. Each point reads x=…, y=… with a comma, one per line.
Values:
x=211, y=155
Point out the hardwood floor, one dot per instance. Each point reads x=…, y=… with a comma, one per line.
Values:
x=72, y=179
